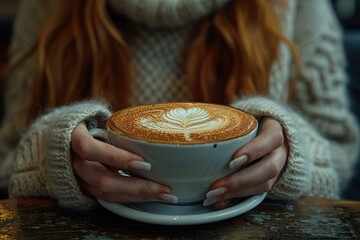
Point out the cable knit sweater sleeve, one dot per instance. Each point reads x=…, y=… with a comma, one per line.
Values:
x=35, y=160
x=322, y=134
x=309, y=170
x=27, y=25
x=42, y=160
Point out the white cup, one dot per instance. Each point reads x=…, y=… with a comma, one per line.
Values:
x=189, y=170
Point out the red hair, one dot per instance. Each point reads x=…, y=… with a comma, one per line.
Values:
x=82, y=54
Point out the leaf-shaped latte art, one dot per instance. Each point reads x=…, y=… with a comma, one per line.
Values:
x=184, y=118
x=183, y=121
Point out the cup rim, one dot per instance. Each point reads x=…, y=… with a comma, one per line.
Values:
x=189, y=144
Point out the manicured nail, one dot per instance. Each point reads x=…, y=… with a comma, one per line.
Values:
x=210, y=201
x=238, y=162
x=140, y=165
x=168, y=198
x=216, y=192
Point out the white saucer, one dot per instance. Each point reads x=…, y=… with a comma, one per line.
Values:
x=167, y=214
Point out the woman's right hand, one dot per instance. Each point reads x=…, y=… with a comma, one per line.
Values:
x=96, y=166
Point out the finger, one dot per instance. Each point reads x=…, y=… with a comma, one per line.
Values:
x=95, y=179
x=127, y=198
x=255, y=179
x=229, y=199
x=249, y=191
x=269, y=167
x=91, y=149
x=270, y=137
x=223, y=204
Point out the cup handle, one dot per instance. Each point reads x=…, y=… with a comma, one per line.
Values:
x=100, y=134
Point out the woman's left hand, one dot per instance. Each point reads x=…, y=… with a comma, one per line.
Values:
x=271, y=151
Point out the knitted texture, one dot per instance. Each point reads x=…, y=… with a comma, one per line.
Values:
x=320, y=130
x=16, y=97
x=48, y=141
x=321, y=95
x=302, y=173
x=158, y=71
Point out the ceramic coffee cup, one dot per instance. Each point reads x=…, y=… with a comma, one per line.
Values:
x=189, y=145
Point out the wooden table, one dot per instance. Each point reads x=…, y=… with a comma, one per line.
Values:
x=315, y=218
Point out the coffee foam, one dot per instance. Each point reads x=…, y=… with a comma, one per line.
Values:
x=182, y=123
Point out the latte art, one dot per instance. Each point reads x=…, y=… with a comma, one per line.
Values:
x=180, y=120
x=182, y=123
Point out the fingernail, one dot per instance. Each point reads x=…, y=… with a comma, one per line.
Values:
x=238, y=162
x=216, y=192
x=168, y=198
x=210, y=201
x=140, y=165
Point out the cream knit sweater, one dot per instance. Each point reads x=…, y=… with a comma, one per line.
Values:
x=321, y=133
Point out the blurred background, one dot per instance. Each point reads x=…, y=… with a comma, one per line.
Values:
x=348, y=12
x=7, y=13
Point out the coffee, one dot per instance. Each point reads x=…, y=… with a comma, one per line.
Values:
x=182, y=123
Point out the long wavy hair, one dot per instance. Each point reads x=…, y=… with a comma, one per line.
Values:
x=82, y=54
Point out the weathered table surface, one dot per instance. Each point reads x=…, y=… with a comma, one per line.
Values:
x=315, y=218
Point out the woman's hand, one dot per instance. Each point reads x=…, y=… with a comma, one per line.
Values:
x=258, y=177
x=96, y=166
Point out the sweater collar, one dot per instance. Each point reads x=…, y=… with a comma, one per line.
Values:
x=166, y=13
